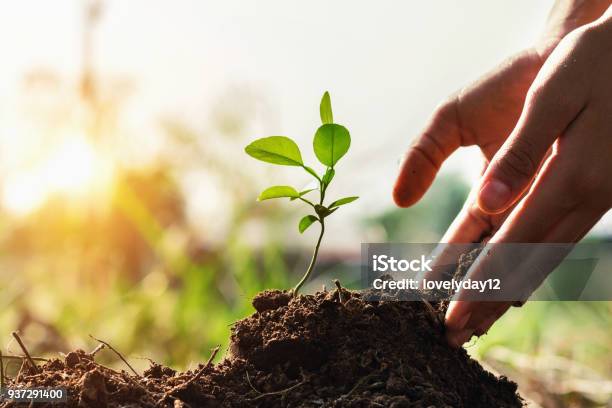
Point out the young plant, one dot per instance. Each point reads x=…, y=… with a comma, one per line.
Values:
x=331, y=142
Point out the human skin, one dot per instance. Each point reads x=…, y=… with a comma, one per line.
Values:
x=531, y=117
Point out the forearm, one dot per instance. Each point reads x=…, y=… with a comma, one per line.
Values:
x=566, y=16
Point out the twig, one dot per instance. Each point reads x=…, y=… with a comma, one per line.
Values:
x=150, y=360
x=95, y=351
x=250, y=383
x=126, y=378
x=337, y=283
x=201, y=370
x=1, y=372
x=358, y=384
x=25, y=351
x=117, y=353
x=267, y=394
x=168, y=394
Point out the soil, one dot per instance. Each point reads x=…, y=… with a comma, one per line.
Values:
x=330, y=349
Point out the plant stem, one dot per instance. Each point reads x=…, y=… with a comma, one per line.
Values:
x=25, y=351
x=313, y=260
x=1, y=372
x=322, y=189
x=307, y=202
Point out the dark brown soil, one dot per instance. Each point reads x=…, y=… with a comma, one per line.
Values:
x=331, y=349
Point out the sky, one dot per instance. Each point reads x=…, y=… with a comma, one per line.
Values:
x=387, y=64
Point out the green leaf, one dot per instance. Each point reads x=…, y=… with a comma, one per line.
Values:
x=278, y=192
x=307, y=191
x=331, y=142
x=325, y=109
x=342, y=201
x=329, y=175
x=311, y=171
x=276, y=149
x=303, y=193
x=306, y=222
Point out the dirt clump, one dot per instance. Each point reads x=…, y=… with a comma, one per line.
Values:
x=330, y=349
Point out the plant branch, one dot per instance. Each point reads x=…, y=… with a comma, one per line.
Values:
x=307, y=202
x=191, y=380
x=266, y=394
x=96, y=350
x=313, y=260
x=25, y=351
x=1, y=372
x=117, y=353
x=199, y=373
x=322, y=189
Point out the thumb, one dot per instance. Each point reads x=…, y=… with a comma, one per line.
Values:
x=544, y=118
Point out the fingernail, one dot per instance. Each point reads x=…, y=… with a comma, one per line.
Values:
x=494, y=195
x=457, y=339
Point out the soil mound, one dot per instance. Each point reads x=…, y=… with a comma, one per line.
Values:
x=330, y=349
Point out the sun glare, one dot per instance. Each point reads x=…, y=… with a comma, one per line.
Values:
x=71, y=168
x=74, y=170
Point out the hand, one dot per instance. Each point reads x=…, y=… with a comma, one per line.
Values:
x=568, y=110
x=484, y=114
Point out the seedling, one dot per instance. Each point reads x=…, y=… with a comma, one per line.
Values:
x=331, y=142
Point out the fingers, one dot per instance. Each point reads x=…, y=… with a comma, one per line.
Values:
x=525, y=226
x=471, y=223
x=468, y=227
x=548, y=111
x=439, y=139
x=568, y=193
x=483, y=113
x=555, y=211
x=575, y=225
x=467, y=318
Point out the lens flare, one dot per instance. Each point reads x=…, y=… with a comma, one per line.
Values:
x=74, y=170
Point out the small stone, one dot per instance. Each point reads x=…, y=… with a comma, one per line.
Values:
x=93, y=390
x=270, y=300
x=72, y=359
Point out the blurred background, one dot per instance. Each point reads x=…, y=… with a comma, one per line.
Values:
x=127, y=204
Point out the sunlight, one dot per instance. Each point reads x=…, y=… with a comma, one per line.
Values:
x=73, y=170
x=70, y=169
